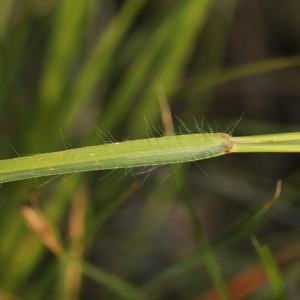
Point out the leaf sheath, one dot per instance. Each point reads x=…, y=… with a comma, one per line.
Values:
x=129, y=154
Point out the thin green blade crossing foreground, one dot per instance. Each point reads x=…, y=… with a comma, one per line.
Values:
x=141, y=153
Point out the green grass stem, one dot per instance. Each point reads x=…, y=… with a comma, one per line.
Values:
x=147, y=152
x=141, y=153
x=287, y=142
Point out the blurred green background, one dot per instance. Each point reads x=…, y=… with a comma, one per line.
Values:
x=79, y=73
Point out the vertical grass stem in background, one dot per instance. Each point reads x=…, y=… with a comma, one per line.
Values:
x=271, y=268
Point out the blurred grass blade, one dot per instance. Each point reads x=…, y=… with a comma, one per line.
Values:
x=5, y=295
x=112, y=282
x=250, y=221
x=189, y=263
x=6, y=7
x=185, y=24
x=211, y=80
x=46, y=234
x=62, y=51
x=110, y=208
x=37, y=222
x=160, y=60
x=272, y=270
x=204, y=248
x=95, y=66
x=250, y=280
x=75, y=236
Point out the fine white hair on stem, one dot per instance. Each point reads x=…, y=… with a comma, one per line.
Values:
x=108, y=136
x=107, y=174
x=62, y=138
x=171, y=170
x=151, y=128
x=199, y=129
x=203, y=171
x=147, y=172
x=232, y=127
x=183, y=125
x=48, y=181
x=159, y=131
x=112, y=139
x=147, y=126
x=15, y=150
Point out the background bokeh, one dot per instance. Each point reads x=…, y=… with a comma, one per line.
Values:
x=78, y=73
